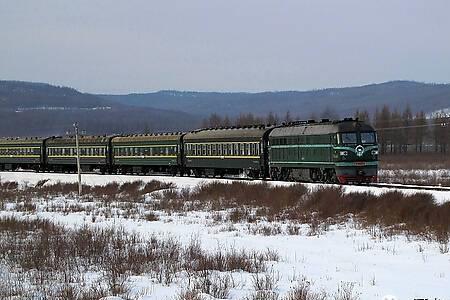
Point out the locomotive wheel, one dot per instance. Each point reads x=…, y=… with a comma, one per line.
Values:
x=274, y=174
x=285, y=174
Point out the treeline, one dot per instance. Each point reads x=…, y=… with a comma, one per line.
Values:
x=407, y=131
x=398, y=131
x=245, y=119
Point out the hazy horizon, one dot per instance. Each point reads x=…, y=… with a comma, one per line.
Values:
x=234, y=46
x=231, y=92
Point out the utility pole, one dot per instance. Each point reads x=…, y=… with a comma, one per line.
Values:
x=75, y=125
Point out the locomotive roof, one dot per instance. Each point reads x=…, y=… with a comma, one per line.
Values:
x=224, y=133
x=326, y=127
x=83, y=139
x=154, y=137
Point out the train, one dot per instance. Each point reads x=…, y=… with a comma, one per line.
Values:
x=330, y=151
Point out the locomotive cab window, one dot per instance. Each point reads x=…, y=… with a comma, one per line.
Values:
x=368, y=137
x=349, y=138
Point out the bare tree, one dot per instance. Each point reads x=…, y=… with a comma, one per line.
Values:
x=272, y=118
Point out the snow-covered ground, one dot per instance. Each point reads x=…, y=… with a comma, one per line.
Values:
x=376, y=267
x=439, y=173
x=416, y=176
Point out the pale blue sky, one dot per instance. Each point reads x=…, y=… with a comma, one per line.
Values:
x=227, y=45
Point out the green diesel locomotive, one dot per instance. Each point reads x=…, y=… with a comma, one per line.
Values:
x=339, y=151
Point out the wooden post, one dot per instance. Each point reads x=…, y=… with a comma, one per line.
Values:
x=75, y=125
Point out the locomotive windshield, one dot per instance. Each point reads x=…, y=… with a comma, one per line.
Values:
x=349, y=138
x=352, y=138
x=368, y=137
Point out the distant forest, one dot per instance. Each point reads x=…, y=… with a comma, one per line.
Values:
x=398, y=131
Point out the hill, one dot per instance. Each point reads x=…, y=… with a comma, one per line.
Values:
x=338, y=101
x=29, y=109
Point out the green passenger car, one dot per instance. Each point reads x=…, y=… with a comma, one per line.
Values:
x=148, y=153
x=23, y=153
x=340, y=151
x=94, y=153
x=220, y=151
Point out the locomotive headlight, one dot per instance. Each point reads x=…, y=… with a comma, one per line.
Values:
x=343, y=153
x=374, y=152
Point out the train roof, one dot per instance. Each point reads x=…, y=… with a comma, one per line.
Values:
x=154, y=137
x=83, y=139
x=21, y=140
x=323, y=127
x=228, y=133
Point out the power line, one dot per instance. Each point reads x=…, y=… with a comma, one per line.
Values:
x=444, y=124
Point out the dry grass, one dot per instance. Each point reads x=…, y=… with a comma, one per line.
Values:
x=44, y=256
x=418, y=177
x=415, y=214
x=303, y=291
x=409, y=161
x=415, y=168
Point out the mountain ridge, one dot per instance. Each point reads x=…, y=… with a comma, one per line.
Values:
x=30, y=109
x=344, y=100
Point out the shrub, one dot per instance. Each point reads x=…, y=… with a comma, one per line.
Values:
x=302, y=291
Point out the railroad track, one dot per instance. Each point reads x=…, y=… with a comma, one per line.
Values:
x=411, y=187
x=376, y=185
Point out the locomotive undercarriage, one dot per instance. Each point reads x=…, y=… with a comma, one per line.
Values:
x=147, y=170
x=222, y=172
x=16, y=167
x=327, y=175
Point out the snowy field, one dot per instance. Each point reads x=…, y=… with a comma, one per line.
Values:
x=343, y=255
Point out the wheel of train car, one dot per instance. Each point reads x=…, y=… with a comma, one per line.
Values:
x=274, y=174
x=173, y=171
x=144, y=170
x=198, y=173
x=254, y=174
x=322, y=176
x=313, y=174
x=285, y=174
x=331, y=176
